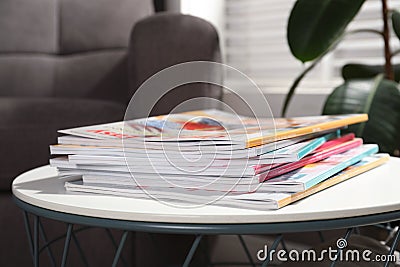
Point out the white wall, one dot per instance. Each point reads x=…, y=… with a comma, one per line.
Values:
x=210, y=10
x=213, y=11
x=301, y=104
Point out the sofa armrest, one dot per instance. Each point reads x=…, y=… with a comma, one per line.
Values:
x=29, y=125
x=166, y=39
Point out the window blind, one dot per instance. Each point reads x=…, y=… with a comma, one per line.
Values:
x=255, y=32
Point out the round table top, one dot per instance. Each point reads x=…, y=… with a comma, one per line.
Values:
x=371, y=193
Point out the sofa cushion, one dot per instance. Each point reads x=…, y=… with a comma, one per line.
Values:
x=98, y=24
x=29, y=125
x=28, y=26
x=97, y=75
x=26, y=75
x=68, y=26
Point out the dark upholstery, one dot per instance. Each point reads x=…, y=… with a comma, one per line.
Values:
x=27, y=128
x=26, y=74
x=28, y=26
x=94, y=75
x=64, y=63
x=91, y=25
x=67, y=47
x=53, y=55
x=192, y=38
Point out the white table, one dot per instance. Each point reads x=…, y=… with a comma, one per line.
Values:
x=370, y=198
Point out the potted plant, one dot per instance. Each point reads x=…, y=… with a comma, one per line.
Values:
x=315, y=28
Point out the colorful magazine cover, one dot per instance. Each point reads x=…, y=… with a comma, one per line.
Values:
x=215, y=164
x=214, y=125
x=313, y=173
x=255, y=201
x=265, y=174
x=299, y=150
x=278, y=200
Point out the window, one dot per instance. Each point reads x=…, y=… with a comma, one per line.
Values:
x=255, y=43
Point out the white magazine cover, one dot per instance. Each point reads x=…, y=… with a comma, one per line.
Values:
x=253, y=200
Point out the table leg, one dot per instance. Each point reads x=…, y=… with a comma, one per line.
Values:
x=246, y=250
x=206, y=251
x=273, y=247
x=28, y=233
x=284, y=247
x=44, y=237
x=80, y=251
x=115, y=245
x=393, y=247
x=120, y=247
x=340, y=248
x=36, y=241
x=66, y=245
x=192, y=250
x=321, y=236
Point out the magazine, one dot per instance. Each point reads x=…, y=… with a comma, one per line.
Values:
x=313, y=173
x=216, y=126
x=267, y=173
x=288, y=154
x=281, y=199
x=68, y=141
x=298, y=180
x=299, y=150
x=256, y=200
x=245, y=167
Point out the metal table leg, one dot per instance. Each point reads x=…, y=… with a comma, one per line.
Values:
x=340, y=248
x=28, y=233
x=273, y=247
x=44, y=238
x=393, y=247
x=120, y=247
x=109, y=234
x=66, y=245
x=80, y=251
x=246, y=250
x=36, y=241
x=192, y=250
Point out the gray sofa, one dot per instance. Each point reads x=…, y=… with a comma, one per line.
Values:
x=66, y=63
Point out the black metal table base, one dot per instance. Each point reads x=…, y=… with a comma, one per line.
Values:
x=70, y=234
x=72, y=221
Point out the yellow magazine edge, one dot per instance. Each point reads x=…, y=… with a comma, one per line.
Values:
x=257, y=141
x=332, y=181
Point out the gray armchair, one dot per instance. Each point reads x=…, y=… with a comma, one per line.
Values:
x=64, y=63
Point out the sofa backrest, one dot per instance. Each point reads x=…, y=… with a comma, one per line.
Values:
x=69, y=48
x=179, y=39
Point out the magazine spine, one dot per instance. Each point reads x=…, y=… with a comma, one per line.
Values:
x=316, y=143
x=308, y=160
x=307, y=130
x=341, y=166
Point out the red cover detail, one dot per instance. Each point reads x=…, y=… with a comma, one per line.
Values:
x=330, y=151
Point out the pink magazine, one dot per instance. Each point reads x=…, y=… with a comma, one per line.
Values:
x=329, y=144
x=335, y=142
x=330, y=151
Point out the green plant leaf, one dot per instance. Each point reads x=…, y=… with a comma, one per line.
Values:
x=396, y=22
x=360, y=71
x=295, y=84
x=315, y=25
x=378, y=97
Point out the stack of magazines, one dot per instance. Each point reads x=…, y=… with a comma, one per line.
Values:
x=214, y=157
